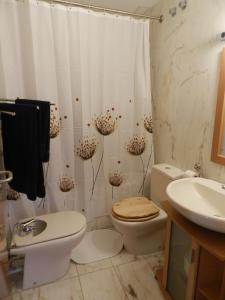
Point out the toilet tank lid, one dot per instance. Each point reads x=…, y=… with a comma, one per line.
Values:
x=170, y=171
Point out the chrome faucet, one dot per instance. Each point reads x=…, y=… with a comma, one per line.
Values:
x=23, y=227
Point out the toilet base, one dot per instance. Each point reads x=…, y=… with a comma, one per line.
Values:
x=48, y=261
x=145, y=244
x=47, y=269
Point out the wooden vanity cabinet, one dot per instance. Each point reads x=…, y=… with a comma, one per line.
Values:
x=194, y=266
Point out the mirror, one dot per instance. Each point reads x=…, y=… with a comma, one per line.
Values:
x=218, y=146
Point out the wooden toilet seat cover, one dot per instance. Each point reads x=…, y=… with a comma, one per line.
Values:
x=135, y=208
x=134, y=219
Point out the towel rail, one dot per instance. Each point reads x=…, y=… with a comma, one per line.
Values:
x=2, y=100
x=8, y=112
x=5, y=176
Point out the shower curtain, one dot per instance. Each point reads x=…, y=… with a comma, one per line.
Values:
x=95, y=68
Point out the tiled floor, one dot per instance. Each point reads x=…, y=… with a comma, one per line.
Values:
x=123, y=277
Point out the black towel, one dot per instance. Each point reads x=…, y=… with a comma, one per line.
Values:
x=44, y=107
x=21, y=149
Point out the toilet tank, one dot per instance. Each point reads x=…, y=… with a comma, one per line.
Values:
x=161, y=176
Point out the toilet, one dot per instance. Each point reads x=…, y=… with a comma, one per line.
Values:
x=142, y=222
x=47, y=254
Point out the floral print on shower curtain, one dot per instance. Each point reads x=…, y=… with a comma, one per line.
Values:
x=95, y=68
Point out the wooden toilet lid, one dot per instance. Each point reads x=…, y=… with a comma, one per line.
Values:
x=135, y=208
x=135, y=219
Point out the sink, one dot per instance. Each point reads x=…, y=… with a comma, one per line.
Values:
x=200, y=200
x=35, y=227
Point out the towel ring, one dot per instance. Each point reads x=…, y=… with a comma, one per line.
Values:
x=5, y=176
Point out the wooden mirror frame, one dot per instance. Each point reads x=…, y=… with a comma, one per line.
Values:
x=219, y=124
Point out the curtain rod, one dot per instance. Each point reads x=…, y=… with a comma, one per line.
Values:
x=121, y=12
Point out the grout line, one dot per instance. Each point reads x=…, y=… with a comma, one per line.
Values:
x=39, y=293
x=118, y=275
x=128, y=262
x=63, y=279
x=104, y=268
x=82, y=292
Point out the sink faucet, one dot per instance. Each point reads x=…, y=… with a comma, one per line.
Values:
x=198, y=168
x=24, y=226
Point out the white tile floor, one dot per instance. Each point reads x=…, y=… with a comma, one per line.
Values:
x=123, y=277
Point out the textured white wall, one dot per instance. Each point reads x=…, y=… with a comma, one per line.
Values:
x=185, y=62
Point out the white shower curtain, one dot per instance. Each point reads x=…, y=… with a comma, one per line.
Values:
x=95, y=68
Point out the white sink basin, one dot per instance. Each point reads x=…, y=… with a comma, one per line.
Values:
x=200, y=200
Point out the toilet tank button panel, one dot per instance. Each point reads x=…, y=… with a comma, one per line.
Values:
x=171, y=172
x=59, y=225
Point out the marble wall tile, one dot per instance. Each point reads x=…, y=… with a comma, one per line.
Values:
x=139, y=282
x=102, y=284
x=185, y=63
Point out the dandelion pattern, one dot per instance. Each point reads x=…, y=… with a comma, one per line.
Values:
x=148, y=124
x=105, y=123
x=54, y=123
x=115, y=179
x=136, y=145
x=87, y=148
x=12, y=194
x=66, y=184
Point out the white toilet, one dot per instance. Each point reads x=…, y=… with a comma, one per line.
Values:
x=47, y=254
x=144, y=232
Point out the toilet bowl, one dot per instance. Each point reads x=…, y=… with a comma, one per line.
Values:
x=47, y=254
x=142, y=224
x=142, y=237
